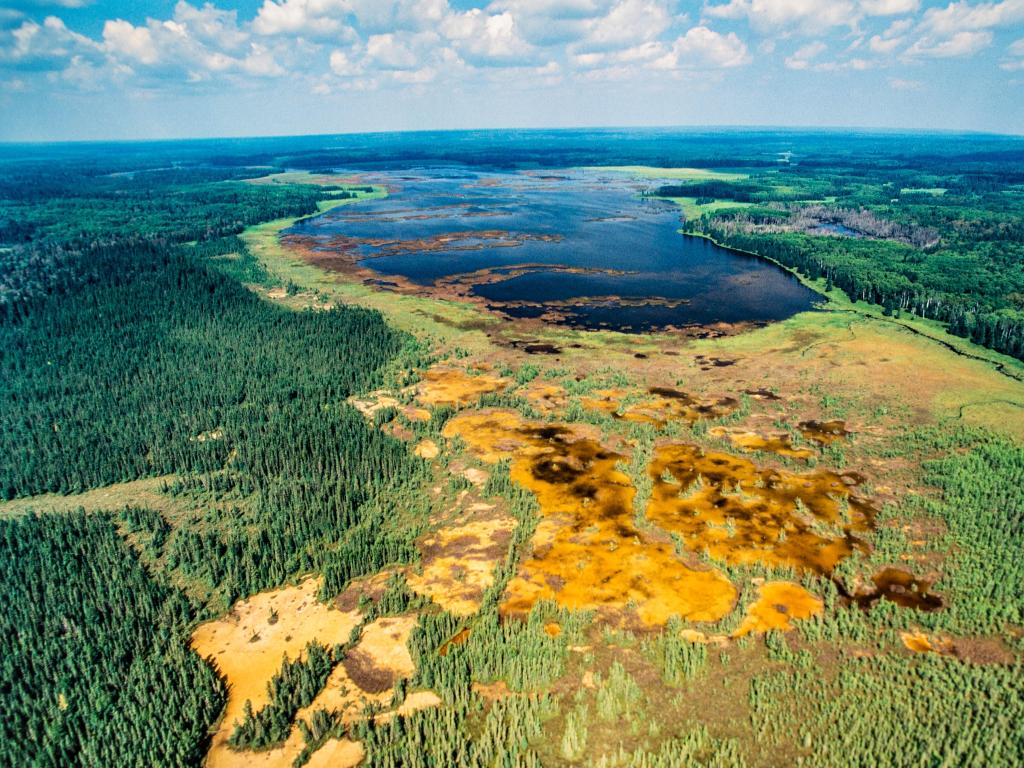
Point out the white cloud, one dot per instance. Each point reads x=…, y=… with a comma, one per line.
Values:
x=703, y=48
x=122, y=38
x=211, y=25
x=899, y=84
x=552, y=22
x=801, y=58
x=313, y=18
x=45, y=46
x=889, y=7
x=804, y=16
x=885, y=46
x=400, y=50
x=963, y=16
x=960, y=44
x=627, y=23
x=1015, y=56
x=485, y=37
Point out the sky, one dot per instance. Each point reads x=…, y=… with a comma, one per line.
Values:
x=90, y=70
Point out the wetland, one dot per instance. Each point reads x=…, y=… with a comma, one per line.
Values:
x=583, y=248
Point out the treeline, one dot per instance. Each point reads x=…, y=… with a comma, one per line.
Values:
x=94, y=665
x=887, y=274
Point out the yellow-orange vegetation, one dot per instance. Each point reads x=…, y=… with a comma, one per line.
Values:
x=743, y=514
x=457, y=560
x=662, y=405
x=337, y=753
x=778, y=604
x=587, y=553
x=749, y=442
x=248, y=648
x=919, y=642
x=545, y=397
x=426, y=449
x=451, y=386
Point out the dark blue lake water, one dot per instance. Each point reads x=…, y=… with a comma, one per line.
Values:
x=583, y=247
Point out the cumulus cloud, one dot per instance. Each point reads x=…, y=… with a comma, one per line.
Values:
x=1014, y=59
x=627, y=23
x=900, y=84
x=703, y=48
x=45, y=46
x=328, y=45
x=962, y=28
x=965, y=17
x=889, y=7
x=803, y=16
x=486, y=37
x=960, y=44
x=552, y=22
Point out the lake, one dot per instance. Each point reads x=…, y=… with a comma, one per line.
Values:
x=582, y=248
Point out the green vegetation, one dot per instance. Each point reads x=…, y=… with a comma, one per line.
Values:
x=951, y=253
x=94, y=667
x=926, y=712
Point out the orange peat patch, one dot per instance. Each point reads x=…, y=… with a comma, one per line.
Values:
x=457, y=560
x=750, y=442
x=661, y=406
x=743, y=514
x=546, y=398
x=587, y=553
x=366, y=676
x=919, y=642
x=249, y=644
x=778, y=604
x=426, y=449
x=451, y=386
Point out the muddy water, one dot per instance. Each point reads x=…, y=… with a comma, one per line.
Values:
x=587, y=552
x=743, y=514
x=824, y=432
x=599, y=253
x=900, y=587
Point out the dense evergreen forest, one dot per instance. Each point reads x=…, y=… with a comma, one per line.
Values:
x=93, y=670
x=127, y=352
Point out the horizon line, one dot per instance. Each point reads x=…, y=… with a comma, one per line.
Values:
x=710, y=127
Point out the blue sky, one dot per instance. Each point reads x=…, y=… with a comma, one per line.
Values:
x=75, y=69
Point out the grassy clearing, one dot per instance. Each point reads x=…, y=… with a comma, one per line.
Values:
x=693, y=210
x=147, y=492
x=686, y=174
